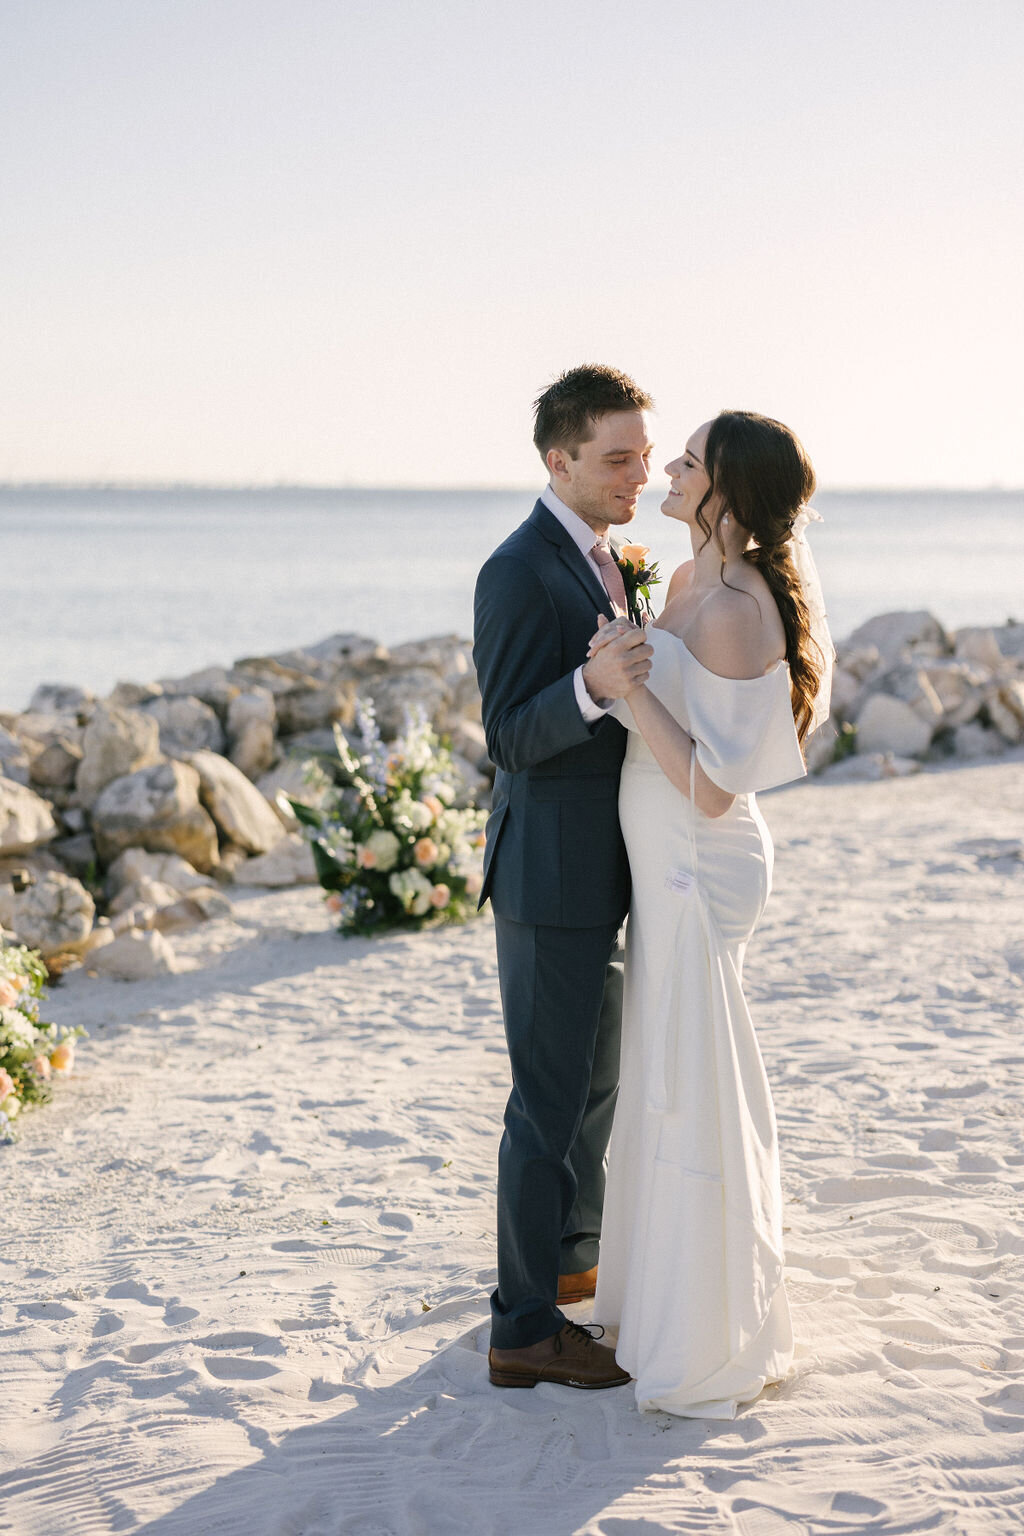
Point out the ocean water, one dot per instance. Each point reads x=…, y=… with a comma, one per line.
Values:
x=100, y=585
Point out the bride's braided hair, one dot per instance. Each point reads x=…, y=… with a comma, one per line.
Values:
x=761, y=474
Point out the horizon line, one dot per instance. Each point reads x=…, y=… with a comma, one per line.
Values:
x=509, y=488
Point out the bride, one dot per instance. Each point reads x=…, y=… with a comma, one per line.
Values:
x=691, y=1246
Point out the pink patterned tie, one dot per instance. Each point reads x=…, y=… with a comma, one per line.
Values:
x=612, y=578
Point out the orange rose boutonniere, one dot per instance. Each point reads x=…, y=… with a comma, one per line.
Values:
x=638, y=577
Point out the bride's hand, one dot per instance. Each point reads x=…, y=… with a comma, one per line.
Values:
x=608, y=629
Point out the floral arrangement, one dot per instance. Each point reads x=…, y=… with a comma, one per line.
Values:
x=638, y=578
x=32, y=1053
x=390, y=848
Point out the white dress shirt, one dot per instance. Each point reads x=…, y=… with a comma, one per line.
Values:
x=584, y=537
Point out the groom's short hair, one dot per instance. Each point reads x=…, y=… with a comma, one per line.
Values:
x=564, y=415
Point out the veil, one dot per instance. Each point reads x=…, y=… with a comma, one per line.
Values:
x=821, y=635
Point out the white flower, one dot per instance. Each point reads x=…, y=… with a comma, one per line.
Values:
x=380, y=851
x=413, y=890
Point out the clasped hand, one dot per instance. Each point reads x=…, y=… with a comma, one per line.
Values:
x=619, y=660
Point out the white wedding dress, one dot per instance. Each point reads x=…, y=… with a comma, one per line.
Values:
x=691, y=1246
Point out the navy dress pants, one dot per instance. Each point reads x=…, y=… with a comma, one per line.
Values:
x=561, y=994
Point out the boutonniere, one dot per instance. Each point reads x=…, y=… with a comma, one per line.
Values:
x=638, y=577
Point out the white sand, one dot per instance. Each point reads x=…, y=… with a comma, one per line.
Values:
x=219, y=1244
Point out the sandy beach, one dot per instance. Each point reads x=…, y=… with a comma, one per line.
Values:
x=245, y=1255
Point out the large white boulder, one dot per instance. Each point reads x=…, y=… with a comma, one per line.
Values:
x=885, y=724
x=288, y=778
x=156, y=808
x=53, y=915
x=897, y=636
x=26, y=821
x=237, y=806
x=168, y=869
x=134, y=956
x=116, y=742
x=289, y=863
x=186, y=725
x=972, y=740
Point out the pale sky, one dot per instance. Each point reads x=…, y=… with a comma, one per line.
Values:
x=347, y=241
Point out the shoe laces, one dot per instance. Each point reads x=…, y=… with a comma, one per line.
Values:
x=578, y=1332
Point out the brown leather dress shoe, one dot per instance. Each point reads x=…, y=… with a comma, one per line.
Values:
x=571, y=1358
x=577, y=1287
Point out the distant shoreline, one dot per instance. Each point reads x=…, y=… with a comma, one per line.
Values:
x=289, y=487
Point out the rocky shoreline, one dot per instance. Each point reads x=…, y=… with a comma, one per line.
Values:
x=123, y=819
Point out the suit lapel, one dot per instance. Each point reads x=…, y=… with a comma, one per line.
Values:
x=572, y=558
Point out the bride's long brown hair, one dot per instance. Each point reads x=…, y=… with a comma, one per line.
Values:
x=760, y=473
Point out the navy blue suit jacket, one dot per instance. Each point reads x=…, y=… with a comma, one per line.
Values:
x=554, y=852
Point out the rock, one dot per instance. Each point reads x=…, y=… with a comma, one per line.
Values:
x=973, y=741
x=897, y=636
x=186, y=724
x=960, y=688
x=289, y=863
x=131, y=695
x=289, y=778
x=310, y=744
x=846, y=693
x=156, y=808
x=470, y=742
x=911, y=684
x=1010, y=640
x=394, y=696
x=309, y=709
x=26, y=821
x=190, y=911
x=59, y=699
x=979, y=646
x=135, y=956
x=251, y=719
x=860, y=661
x=56, y=765
x=77, y=855
x=141, y=916
x=137, y=864
x=213, y=686
x=237, y=806
x=35, y=730
x=471, y=786
x=143, y=892
x=53, y=914
x=1005, y=706
x=339, y=656
x=14, y=760
x=885, y=724
x=231, y=858
x=870, y=767
x=116, y=742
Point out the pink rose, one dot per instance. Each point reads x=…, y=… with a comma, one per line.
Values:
x=62, y=1057
x=8, y=993
x=6, y=1084
x=41, y=1066
x=334, y=902
x=433, y=805
x=425, y=851
x=365, y=857
x=473, y=884
x=440, y=896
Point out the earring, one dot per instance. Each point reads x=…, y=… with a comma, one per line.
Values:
x=723, y=524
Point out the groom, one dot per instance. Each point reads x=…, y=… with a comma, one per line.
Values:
x=555, y=866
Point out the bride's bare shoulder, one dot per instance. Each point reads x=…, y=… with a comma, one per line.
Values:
x=733, y=635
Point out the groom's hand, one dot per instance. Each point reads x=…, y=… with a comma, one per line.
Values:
x=619, y=666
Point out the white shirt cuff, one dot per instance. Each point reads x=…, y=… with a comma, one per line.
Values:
x=588, y=709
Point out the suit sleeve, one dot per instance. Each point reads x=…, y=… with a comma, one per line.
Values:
x=530, y=711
